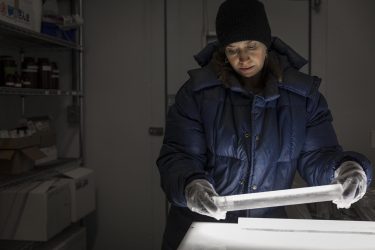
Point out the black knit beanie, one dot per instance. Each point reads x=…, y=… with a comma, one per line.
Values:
x=240, y=20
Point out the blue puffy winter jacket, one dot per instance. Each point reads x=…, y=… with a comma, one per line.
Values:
x=244, y=143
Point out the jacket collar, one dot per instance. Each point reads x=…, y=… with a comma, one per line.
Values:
x=269, y=93
x=206, y=78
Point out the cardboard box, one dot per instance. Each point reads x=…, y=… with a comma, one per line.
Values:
x=19, y=161
x=18, y=155
x=18, y=143
x=24, y=13
x=47, y=138
x=35, y=211
x=73, y=238
x=82, y=187
x=51, y=155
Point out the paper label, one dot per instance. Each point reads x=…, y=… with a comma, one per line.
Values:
x=46, y=68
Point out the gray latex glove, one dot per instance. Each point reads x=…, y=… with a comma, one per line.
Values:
x=354, y=182
x=198, y=194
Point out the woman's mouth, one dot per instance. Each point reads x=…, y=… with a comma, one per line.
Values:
x=244, y=69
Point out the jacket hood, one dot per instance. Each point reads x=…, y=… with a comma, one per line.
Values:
x=288, y=55
x=289, y=59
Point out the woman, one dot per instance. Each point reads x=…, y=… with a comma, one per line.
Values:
x=246, y=122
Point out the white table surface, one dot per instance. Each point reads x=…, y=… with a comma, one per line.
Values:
x=281, y=234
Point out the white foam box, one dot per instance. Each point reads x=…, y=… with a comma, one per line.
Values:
x=276, y=234
x=82, y=187
x=23, y=13
x=35, y=211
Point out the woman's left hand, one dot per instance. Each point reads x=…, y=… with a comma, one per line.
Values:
x=354, y=182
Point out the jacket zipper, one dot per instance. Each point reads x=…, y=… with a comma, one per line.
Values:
x=251, y=160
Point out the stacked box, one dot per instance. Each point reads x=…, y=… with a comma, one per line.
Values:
x=35, y=211
x=24, y=13
x=18, y=155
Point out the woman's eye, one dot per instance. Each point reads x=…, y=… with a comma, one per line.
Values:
x=231, y=51
x=251, y=46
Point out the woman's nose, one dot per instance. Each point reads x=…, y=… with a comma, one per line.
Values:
x=243, y=55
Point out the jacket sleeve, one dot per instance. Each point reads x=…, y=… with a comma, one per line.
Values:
x=183, y=154
x=321, y=154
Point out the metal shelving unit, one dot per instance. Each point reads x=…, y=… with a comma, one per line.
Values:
x=21, y=38
x=14, y=38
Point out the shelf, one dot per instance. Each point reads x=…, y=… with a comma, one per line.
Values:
x=43, y=171
x=37, y=92
x=18, y=245
x=29, y=38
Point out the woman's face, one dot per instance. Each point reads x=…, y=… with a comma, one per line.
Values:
x=246, y=57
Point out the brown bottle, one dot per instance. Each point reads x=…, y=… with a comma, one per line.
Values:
x=29, y=73
x=44, y=73
x=8, y=68
x=55, y=76
x=17, y=80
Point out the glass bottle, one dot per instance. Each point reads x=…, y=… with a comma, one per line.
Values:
x=55, y=77
x=44, y=73
x=8, y=68
x=29, y=73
